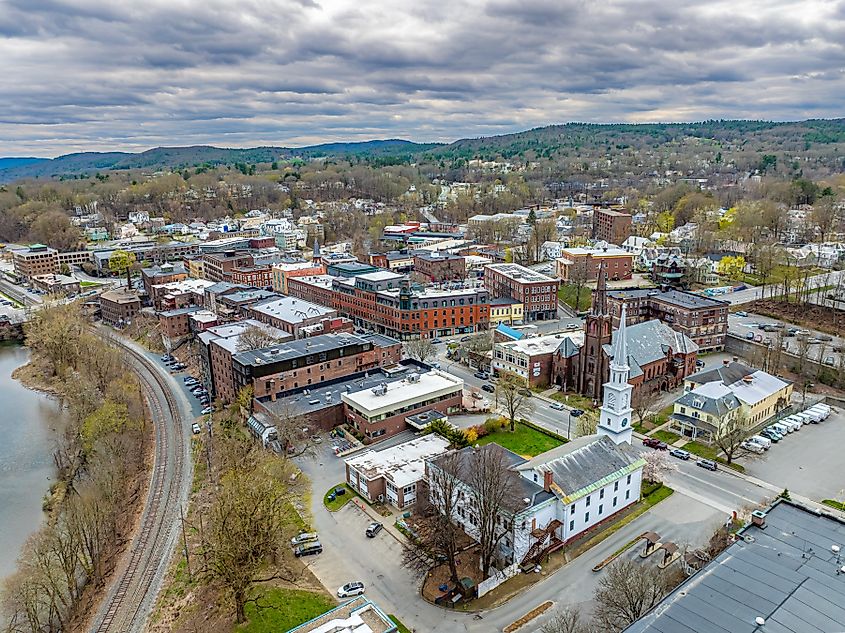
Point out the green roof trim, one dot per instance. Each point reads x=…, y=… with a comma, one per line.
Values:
x=574, y=496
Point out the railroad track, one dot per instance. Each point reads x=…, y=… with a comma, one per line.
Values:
x=133, y=590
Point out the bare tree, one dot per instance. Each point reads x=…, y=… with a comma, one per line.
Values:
x=493, y=493
x=566, y=619
x=420, y=349
x=640, y=404
x=587, y=424
x=255, y=337
x=293, y=431
x=438, y=534
x=731, y=435
x=626, y=590
x=512, y=396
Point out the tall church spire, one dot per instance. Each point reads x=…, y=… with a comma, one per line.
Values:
x=620, y=347
x=600, y=299
x=615, y=420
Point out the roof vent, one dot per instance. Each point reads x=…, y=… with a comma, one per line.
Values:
x=759, y=620
x=526, y=500
x=758, y=518
x=834, y=549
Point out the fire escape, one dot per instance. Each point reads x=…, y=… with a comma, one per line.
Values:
x=545, y=542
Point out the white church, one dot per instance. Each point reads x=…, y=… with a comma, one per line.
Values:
x=570, y=489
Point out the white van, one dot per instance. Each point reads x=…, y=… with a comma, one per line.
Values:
x=765, y=442
x=781, y=428
x=809, y=418
x=752, y=447
x=824, y=408
x=819, y=412
x=814, y=414
x=793, y=422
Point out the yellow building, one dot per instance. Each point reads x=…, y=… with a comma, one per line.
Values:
x=196, y=268
x=507, y=311
x=713, y=399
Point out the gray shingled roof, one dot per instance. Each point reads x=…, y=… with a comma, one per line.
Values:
x=785, y=573
x=718, y=406
x=728, y=374
x=650, y=341
x=581, y=463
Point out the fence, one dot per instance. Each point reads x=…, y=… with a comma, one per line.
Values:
x=498, y=577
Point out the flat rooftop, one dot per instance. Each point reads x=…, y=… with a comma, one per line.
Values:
x=303, y=347
x=398, y=392
x=786, y=573
x=678, y=298
x=402, y=464
x=357, y=616
x=520, y=273
x=541, y=344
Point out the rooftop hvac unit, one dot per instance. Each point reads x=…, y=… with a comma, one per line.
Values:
x=414, y=377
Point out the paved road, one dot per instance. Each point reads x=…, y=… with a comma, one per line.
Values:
x=703, y=501
x=752, y=294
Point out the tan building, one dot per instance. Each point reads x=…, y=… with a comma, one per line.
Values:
x=505, y=310
x=119, y=307
x=38, y=259
x=56, y=284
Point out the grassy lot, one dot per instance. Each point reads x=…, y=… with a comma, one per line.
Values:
x=776, y=276
x=833, y=503
x=399, y=626
x=523, y=441
x=567, y=295
x=88, y=284
x=711, y=452
x=575, y=400
x=339, y=502
x=666, y=436
x=283, y=609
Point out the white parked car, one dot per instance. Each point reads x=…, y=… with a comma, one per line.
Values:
x=303, y=537
x=350, y=589
x=765, y=442
x=557, y=406
x=752, y=447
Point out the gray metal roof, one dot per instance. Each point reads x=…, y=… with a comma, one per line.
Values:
x=650, y=341
x=581, y=463
x=785, y=573
x=728, y=374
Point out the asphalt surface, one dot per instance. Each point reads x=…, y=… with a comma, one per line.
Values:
x=703, y=501
x=752, y=294
x=743, y=326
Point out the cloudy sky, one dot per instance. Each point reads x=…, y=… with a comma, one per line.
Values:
x=102, y=75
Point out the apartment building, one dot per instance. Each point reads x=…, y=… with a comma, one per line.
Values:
x=505, y=310
x=280, y=368
x=218, y=266
x=288, y=314
x=38, y=259
x=703, y=319
x=613, y=227
x=164, y=274
x=118, y=307
x=285, y=270
x=618, y=263
x=536, y=292
x=436, y=266
x=386, y=302
x=255, y=276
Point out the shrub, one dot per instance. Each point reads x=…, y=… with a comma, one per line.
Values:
x=480, y=430
x=470, y=435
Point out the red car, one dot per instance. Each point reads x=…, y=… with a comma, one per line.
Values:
x=654, y=443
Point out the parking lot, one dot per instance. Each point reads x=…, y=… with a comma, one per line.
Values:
x=821, y=347
x=808, y=462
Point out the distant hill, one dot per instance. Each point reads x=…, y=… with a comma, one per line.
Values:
x=8, y=163
x=183, y=157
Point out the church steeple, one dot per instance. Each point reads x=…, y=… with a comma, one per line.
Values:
x=615, y=421
x=597, y=333
x=599, y=307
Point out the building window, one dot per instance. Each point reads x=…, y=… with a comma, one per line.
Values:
x=615, y=486
x=614, y=502
x=627, y=494
x=601, y=493
x=601, y=508
x=629, y=480
x=588, y=501
x=587, y=517
x=572, y=509
x=572, y=526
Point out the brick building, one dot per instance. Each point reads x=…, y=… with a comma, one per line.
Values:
x=613, y=227
x=536, y=292
x=55, y=284
x=164, y=274
x=276, y=370
x=285, y=270
x=38, y=259
x=217, y=345
x=703, y=319
x=255, y=276
x=174, y=324
x=531, y=359
x=289, y=314
x=436, y=267
x=386, y=302
x=219, y=266
x=118, y=307
x=618, y=263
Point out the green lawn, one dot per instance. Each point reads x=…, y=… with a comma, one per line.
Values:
x=399, y=626
x=657, y=495
x=575, y=400
x=339, y=502
x=711, y=452
x=523, y=441
x=666, y=436
x=567, y=295
x=88, y=284
x=280, y=610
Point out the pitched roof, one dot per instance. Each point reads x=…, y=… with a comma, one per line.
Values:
x=650, y=341
x=727, y=374
x=583, y=464
x=785, y=573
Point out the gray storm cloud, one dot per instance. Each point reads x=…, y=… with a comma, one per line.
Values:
x=90, y=75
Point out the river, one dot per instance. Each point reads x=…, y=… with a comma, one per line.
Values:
x=27, y=420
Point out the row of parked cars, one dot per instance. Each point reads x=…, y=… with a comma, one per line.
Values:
x=776, y=431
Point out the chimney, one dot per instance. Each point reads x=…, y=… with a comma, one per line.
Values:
x=726, y=362
x=548, y=480
x=758, y=518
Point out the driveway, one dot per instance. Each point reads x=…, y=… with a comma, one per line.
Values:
x=808, y=462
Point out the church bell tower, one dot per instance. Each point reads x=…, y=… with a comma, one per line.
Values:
x=598, y=329
x=615, y=420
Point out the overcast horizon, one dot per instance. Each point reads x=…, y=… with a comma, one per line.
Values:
x=89, y=75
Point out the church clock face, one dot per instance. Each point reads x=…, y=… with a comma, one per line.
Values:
x=611, y=399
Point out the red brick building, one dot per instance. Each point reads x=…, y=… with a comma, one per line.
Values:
x=276, y=370
x=254, y=276
x=618, y=264
x=164, y=274
x=436, y=267
x=119, y=307
x=385, y=301
x=537, y=292
x=613, y=227
x=219, y=266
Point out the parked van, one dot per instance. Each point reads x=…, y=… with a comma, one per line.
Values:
x=824, y=408
x=819, y=411
x=752, y=447
x=783, y=429
x=814, y=414
x=791, y=423
x=808, y=417
x=765, y=442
